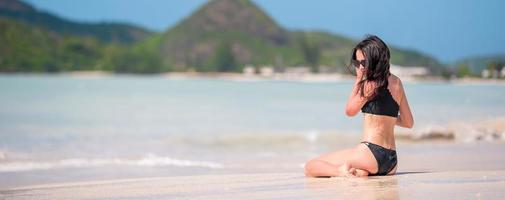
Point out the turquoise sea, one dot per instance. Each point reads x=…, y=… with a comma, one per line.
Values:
x=57, y=128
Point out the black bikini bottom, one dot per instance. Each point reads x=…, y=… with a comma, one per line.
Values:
x=386, y=158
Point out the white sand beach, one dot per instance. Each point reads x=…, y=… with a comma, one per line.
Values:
x=426, y=170
x=405, y=185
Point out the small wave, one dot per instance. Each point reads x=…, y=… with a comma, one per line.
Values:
x=267, y=139
x=150, y=160
x=429, y=133
x=489, y=130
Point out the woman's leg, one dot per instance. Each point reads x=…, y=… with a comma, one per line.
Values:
x=357, y=161
x=320, y=168
x=330, y=164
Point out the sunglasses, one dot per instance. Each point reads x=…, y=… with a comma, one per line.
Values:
x=357, y=63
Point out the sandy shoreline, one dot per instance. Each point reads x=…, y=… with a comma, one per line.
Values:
x=411, y=185
x=426, y=170
x=329, y=77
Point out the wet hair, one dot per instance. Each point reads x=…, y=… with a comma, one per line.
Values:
x=377, y=56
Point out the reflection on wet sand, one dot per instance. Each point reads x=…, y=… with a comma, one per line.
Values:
x=406, y=185
x=354, y=188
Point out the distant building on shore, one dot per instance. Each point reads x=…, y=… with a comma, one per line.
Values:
x=409, y=71
x=297, y=71
x=486, y=73
x=249, y=70
x=267, y=70
x=331, y=70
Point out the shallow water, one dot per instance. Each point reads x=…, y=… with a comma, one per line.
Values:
x=54, y=123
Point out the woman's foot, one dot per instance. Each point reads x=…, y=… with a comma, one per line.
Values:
x=346, y=171
x=358, y=172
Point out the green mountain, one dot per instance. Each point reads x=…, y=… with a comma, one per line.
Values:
x=243, y=33
x=236, y=28
x=30, y=49
x=105, y=32
x=222, y=36
x=27, y=48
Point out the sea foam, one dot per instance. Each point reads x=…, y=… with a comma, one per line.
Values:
x=149, y=160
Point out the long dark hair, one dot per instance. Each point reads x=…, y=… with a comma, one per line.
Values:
x=377, y=56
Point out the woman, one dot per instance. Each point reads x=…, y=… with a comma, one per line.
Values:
x=381, y=97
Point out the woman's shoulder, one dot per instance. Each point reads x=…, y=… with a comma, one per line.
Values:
x=395, y=86
x=394, y=81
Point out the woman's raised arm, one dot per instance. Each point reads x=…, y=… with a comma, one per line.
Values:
x=356, y=101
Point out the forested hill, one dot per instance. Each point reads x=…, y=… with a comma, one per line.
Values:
x=105, y=32
x=220, y=36
x=241, y=29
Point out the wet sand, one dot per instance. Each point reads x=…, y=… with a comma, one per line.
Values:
x=405, y=185
x=426, y=171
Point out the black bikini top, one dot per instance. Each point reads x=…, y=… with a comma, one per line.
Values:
x=382, y=104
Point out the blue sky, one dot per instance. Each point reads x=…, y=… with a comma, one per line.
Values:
x=448, y=30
